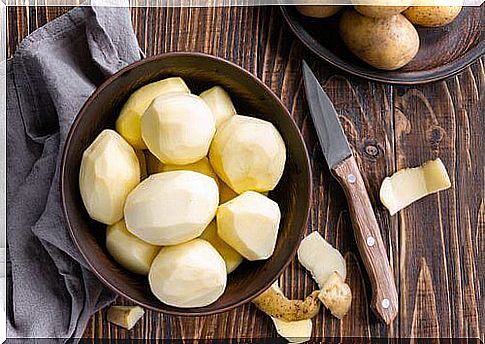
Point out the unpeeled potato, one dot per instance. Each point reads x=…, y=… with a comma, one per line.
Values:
x=385, y=43
x=318, y=11
x=379, y=11
x=432, y=16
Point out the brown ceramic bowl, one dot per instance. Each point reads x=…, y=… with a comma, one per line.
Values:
x=251, y=97
x=443, y=52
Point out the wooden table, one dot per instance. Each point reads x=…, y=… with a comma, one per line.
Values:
x=436, y=245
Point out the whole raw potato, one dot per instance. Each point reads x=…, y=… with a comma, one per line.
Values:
x=380, y=11
x=433, y=16
x=128, y=122
x=318, y=11
x=109, y=171
x=385, y=43
x=171, y=207
x=248, y=153
x=178, y=128
x=249, y=223
x=385, y=8
x=192, y=274
x=129, y=251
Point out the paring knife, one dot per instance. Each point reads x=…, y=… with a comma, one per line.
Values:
x=344, y=168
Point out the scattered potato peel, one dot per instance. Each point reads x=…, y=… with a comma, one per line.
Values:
x=294, y=331
x=274, y=303
x=125, y=316
x=320, y=258
x=329, y=270
x=411, y=184
x=336, y=295
x=292, y=318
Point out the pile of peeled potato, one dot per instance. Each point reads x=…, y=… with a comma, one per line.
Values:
x=181, y=185
x=384, y=36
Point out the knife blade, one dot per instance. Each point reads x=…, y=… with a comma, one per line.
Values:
x=329, y=130
x=343, y=166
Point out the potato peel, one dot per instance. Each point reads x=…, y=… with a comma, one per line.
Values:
x=125, y=316
x=411, y=184
x=294, y=331
x=274, y=303
x=320, y=258
x=336, y=295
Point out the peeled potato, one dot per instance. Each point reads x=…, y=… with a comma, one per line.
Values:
x=318, y=11
x=202, y=166
x=128, y=123
x=171, y=207
x=129, y=251
x=249, y=223
x=294, y=331
x=433, y=16
x=178, y=128
x=226, y=193
x=408, y=185
x=109, y=171
x=153, y=164
x=192, y=274
x=230, y=255
x=220, y=104
x=248, y=153
x=320, y=258
x=384, y=43
x=143, y=164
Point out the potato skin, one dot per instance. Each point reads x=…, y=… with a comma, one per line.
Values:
x=384, y=43
x=322, y=11
x=432, y=16
x=274, y=303
x=379, y=11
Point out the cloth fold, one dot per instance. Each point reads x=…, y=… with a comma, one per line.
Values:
x=51, y=292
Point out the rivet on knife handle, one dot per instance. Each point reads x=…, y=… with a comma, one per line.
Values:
x=369, y=239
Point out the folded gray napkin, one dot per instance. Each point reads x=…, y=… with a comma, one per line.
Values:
x=51, y=292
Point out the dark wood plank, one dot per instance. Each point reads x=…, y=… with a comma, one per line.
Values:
x=435, y=245
x=442, y=235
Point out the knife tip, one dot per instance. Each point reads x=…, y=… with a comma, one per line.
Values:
x=305, y=65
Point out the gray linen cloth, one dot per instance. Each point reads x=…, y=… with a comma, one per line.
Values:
x=51, y=292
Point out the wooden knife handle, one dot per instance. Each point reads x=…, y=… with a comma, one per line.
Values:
x=369, y=240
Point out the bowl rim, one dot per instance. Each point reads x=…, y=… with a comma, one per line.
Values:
x=367, y=72
x=177, y=311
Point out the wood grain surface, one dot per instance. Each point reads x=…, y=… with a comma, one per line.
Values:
x=435, y=246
